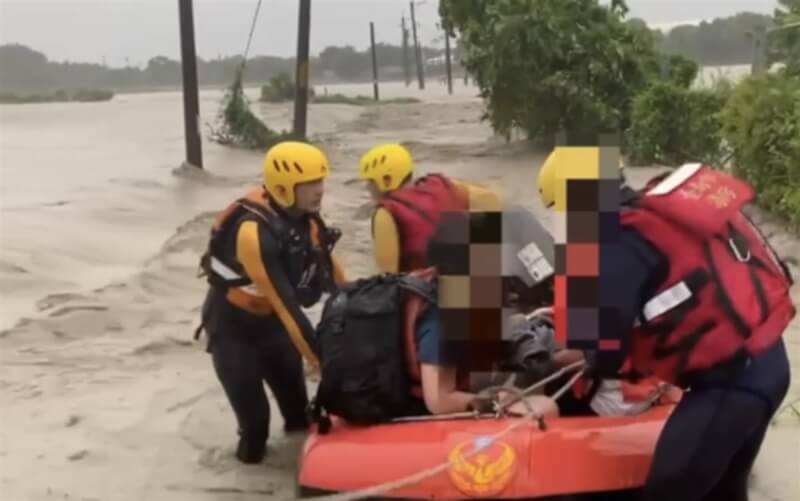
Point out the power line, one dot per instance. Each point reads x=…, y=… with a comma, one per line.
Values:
x=252, y=31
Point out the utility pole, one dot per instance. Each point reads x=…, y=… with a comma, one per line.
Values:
x=759, y=62
x=301, y=74
x=374, y=61
x=406, y=61
x=448, y=63
x=417, y=50
x=191, y=105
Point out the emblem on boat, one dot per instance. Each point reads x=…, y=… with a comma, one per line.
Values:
x=485, y=473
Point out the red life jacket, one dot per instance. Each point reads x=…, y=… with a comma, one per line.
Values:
x=726, y=296
x=416, y=210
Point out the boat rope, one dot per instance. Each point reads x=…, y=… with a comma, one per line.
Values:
x=431, y=472
x=486, y=391
x=530, y=389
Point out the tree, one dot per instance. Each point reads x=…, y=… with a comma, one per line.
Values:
x=722, y=41
x=545, y=66
x=164, y=71
x=785, y=44
x=22, y=67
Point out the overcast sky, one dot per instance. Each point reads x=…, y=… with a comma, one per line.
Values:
x=113, y=30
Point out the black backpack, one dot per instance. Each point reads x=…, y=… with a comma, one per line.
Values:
x=364, y=372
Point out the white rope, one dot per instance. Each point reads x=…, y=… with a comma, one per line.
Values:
x=430, y=472
x=542, y=382
x=517, y=394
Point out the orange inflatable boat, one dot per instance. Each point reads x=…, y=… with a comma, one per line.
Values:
x=571, y=458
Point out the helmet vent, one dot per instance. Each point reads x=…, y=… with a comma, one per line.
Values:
x=285, y=166
x=277, y=167
x=383, y=159
x=297, y=168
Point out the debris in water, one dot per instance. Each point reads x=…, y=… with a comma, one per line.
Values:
x=71, y=309
x=220, y=490
x=78, y=455
x=73, y=420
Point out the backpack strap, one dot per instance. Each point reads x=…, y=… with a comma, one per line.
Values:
x=328, y=237
x=421, y=284
x=276, y=225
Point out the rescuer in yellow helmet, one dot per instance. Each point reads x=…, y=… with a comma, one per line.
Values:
x=270, y=253
x=682, y=276
x=408, y=209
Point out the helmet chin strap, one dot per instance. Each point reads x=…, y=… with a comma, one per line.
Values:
x=295, y=213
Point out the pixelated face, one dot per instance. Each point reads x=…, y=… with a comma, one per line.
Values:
x=586, y=230
x=475, y=290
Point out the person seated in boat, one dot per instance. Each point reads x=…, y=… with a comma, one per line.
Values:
x=408, y=208
x=453, y=351
x=701, y=301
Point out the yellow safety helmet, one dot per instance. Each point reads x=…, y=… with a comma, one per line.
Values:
x=290, y=163
x=564, y=162
x=387, y=165
x=547, y=179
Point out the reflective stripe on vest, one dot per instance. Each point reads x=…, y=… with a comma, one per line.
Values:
x=227, y=273
x=666, y=300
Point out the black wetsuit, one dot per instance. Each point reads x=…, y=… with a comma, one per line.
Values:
x=248, y=349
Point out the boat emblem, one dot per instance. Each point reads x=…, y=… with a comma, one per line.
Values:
x=485, y=473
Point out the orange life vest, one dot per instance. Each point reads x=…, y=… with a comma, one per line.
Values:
x=227, y=273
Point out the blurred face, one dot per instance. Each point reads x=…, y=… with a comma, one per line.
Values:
x=308, y=196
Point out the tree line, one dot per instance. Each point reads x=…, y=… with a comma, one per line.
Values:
x=25, y=69
x=722, y=41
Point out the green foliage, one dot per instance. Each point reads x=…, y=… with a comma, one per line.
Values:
x=762, y=125
x=548, y=65
x=239, y=126
x=673, y=124
x=680, y=70
x=785, y=43
x=62, y=95
x=544, y=66
x=281, y=88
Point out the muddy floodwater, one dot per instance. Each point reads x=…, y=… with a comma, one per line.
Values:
x=104, y=394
